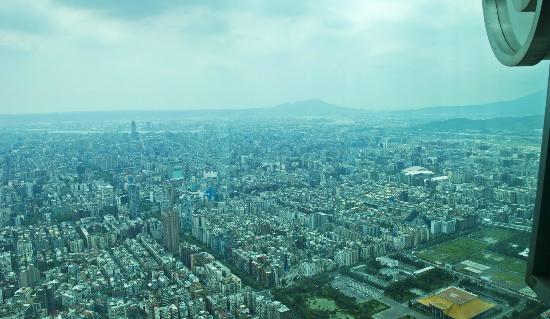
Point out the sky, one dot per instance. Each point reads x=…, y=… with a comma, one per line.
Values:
x=91, y=55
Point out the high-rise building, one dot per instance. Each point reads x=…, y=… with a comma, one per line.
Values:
x=45, y=296
x=173, y=195
x=133, y=200
x=6, y=169
x=171, y=227
x=5, y=262
x=28, y=276
x=186, y=213
x=134, y=130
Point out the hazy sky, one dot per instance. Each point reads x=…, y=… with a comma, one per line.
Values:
x=82, y=55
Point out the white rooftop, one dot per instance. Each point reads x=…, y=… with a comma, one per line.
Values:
x=417, y=170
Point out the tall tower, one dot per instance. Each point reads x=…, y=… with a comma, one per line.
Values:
x=134, y=133
x=133, y=200
x=6, y=170
x=171, y=226
x=186, y=214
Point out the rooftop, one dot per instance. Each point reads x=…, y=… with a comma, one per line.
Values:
x=456, y=295
x=457, y=303
x=417, y=170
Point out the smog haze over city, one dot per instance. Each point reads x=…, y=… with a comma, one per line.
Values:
x=264, y=160
x=60, y=56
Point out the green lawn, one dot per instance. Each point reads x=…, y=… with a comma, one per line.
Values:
x=329, y=305
x=323, y=304
x=492, y=234
x=506, y=271
x=314, y=298
x=453, y=251
x=497, y=260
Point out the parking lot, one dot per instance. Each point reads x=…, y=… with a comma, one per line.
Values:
x=351, y=288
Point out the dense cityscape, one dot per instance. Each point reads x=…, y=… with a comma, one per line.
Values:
x=275, y=159
x=295, y=217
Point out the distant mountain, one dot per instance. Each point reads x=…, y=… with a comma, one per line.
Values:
x=525, y=123
x=309, y=108
x=529, y=105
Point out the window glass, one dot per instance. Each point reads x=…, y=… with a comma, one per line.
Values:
x=274, y=159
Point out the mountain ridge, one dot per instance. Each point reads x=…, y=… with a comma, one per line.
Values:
x=525, y=123
x=529, y=105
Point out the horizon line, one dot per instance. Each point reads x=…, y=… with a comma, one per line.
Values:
x=245, y=108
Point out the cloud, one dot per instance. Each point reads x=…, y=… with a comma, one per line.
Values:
x=17, y=19
x=126, y=9
x=137, y=54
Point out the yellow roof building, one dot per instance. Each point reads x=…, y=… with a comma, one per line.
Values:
x=456, y=303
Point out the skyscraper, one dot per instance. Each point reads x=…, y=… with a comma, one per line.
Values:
x=186, y=214
x=45, y=296
x=6, y=170
x=133, y=200
x=171, y=226
x=134, y=133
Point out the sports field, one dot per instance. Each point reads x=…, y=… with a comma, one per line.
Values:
x=471, y=256
x=491, y=235
x=453, y=251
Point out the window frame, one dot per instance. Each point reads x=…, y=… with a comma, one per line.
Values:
x=538, y=264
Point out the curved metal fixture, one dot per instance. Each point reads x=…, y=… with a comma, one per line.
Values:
x=508, y=49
